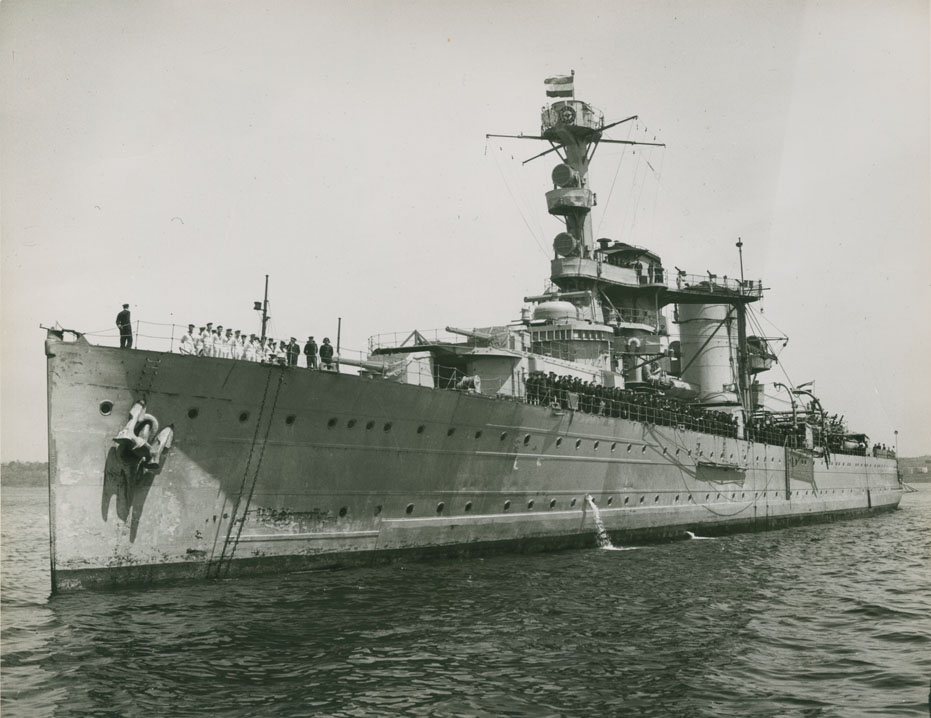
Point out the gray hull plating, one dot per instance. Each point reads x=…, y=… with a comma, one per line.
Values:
x=277, y=469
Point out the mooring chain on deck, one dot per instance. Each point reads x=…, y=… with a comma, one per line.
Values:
x=237, y=516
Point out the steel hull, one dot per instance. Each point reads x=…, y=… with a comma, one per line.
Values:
x=277, y=469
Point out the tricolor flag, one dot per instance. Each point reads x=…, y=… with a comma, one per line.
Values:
x=560, y=86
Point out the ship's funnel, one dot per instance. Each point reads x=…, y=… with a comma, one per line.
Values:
x=566, y=245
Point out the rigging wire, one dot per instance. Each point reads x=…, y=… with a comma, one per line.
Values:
x=659, y=177
x=520, y=209
x=614, y=180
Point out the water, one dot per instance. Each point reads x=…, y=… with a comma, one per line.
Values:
x=604, y=541
x=829, y=620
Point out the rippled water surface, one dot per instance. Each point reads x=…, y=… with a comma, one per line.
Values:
x=823, y=620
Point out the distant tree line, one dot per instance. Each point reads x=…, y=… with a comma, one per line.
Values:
x=24, y=473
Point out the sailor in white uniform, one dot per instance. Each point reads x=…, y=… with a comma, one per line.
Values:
x=188, y=344
x=249, y=349
x=226, y=345
x=236, y=345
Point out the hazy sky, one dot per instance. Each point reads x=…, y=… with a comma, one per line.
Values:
x=170, y=154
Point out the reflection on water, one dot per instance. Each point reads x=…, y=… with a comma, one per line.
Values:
x=829, y=620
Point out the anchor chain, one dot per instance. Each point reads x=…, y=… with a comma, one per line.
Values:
x=237, y=516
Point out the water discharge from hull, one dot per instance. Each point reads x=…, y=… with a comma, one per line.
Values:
x=604, y=541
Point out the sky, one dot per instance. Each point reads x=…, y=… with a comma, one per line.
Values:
x=171, y=154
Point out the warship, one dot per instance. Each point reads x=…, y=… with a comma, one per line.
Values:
x=627, y=401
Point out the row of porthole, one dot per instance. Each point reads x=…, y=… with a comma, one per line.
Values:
x=441, y=506
x=106, y=407
x=332, y=423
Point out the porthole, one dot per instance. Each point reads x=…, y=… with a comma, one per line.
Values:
x=665, y=450
x=572, y=503
x=370, y=425
x=377, y=510
x=613, y=445
x=331, y=423
x=243, y=416
x=743, y=496
x=629, y=447
x=409, y=509
x=626, y=500
x=701, y=453
x=192, y=413
x=656, y=500
x=690, y=452
x=530, y=504
x=677, y=498
x=106, y=407
x=644, y=449
x=526, y=439
x=450, y=431
x=707, y=496
x=420, y=429
x=439, y=507
x=342, y=511
x=610, y=500
x=596, y=445
x=468, y=506
x=718, y=497
x=387, y=427
x=552, y=503
x=507, y=505
x=578, y=443
x=289, y=419
x=677, y=452
x=478, y=434
x=503, y=436
x=641, y=499
x=691, y=500
x=351, y=423
x=559, y=441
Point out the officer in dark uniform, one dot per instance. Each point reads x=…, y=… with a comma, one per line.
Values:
x=326, y=354
x=124, y=323
x=310, y=351
x=294, y=351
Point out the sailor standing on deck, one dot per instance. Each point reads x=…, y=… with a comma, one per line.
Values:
x=248, y=352
x=294, y=351
x=226, y=345
x=326, y=354
x=237, y=345
x=124, y=322
x=188, y=344
x=208, y=340
x=310, y=351
x=199, y=341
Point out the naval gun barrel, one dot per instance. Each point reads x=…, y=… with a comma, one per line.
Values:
x=470, y=333
x=374, y=366
x=558, y=295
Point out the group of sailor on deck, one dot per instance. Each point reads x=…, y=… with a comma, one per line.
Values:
x=234, y=344
x=570, y=392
